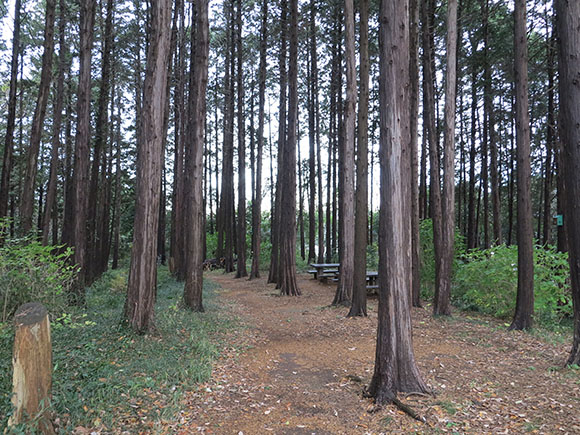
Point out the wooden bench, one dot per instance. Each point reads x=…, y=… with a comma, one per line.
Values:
x=322, y=271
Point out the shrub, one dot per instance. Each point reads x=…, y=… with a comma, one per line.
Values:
x=428, y=257
x=488, y=282
x=32, y=272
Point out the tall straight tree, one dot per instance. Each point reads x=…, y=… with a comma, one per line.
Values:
x=414, y=151
x=56, y=124
x=359, y=293
x=241, y=230
x=81, y=156
x=226, y=211
x=442, y=299
x=490, y=128
x=568, y=29
x=141, y=290
x=274, y=274
x=257, y=204
x=177, y=261
x=525, y=296
x=101, y=138
x=311, y=138
x=287, y=272
x=27, y=198
x=432, y=138
x=343, y=294
x=395, y=367
x=11, y=118
x=192, y=294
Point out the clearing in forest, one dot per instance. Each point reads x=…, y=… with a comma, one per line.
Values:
x=307, y=365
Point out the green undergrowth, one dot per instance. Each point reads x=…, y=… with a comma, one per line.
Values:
x=486, y=281
x=105, y=376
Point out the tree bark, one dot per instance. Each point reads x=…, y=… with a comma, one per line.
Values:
x=27, y=198
x=227, y=218
x=177, y=241
x=11, y=118
x=429, y=115
x=141, y=291
x=550, y=136
x=194, y=165
x=56, y=125
x=525, y=296
x=101, y=137
x=344, y=290
x=414, y=173
x=274, y=275
x=568, y=25
x=241, y=270
x=490, y=130
x=442, y=299
x=395, y=367
x=257, y=204
x=287, y=274
x=359, y=295
x=81, y=159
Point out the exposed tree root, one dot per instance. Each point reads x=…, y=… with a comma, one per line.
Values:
x=418, y=393
x=403, y=407
x=408, y=410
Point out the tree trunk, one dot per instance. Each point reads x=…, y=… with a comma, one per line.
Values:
x=568, y=22
x=359, y=296
x=311, y=136
x=141, y=291
x=177, y=239
x=11, y=118
x=395, y=366
x=550, y=136
x=301, y=201
x=81, y=160
x=274, y=275
x=287, y=274
x=429, y=111
x=490, y=130
x=344, y=290
x=56, y=125
x=192, y=295
x=257, y=204
x=442, y=299
x=116, y=230
x=227, y=219
x=471, y=208
x=525, y=297
x=241, y=265
x=414, y=172
x=101, y=136
x=27, y=199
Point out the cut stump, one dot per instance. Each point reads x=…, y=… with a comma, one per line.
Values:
x=32, y=363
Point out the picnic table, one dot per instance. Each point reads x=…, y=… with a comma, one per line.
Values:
x=372, y=281
x=322, y=271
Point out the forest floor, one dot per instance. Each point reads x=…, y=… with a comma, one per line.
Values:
x=305, y=367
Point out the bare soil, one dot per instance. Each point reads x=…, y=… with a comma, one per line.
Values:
x=306, y=365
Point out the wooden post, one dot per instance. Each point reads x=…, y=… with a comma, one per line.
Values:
x=32, y=362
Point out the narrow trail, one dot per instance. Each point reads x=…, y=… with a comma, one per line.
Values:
x=305, y=367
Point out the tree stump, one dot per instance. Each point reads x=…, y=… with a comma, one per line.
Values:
x=32, y=362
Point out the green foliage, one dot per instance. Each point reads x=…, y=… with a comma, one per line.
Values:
x=102, y=371
x=488, y=282
x=32, y=272
x=428, y=257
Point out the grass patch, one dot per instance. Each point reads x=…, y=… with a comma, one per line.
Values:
x=448, y=406
x=107, y=377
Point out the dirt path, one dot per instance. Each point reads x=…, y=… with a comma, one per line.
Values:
x=307, y=365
